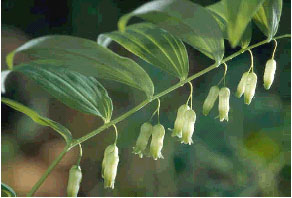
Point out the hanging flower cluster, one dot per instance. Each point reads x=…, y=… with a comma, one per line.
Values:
x=184, y=124
x=248, y=81
x=223, y=107
x=185, y=120
x=157, y=133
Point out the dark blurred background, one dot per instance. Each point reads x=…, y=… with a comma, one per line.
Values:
x=248, y=156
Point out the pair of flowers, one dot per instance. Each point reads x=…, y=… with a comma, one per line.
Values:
x=224, y=95
x=246, y=86
x=248, y=82
x=147, y=130
x=183, y=129
x=184, y=124
x=111, y=154
x=109, y=171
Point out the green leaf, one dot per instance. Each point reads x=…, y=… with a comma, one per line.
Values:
x=220, y=14
x=75, y=90
x=268, y=16
x=4, y=75
x=64, y=132
x=88, y=58
x=246, y=37
x=239, y=14
x=188, y=21
x=153, y=45
x=219, y=9
x=7, y=191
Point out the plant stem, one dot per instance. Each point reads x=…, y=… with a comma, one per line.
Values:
x=48, y=171
x=170, y=89
x=80, y=155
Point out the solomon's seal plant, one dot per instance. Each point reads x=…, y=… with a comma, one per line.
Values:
x=69, y=69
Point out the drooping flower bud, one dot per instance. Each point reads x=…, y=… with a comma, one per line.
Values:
x=210, y=100
x=251, y=83
x=224, y=95
x=142, y=141
x=110, y=165
x=269, y=73
x=188, y=129
x=157, y=141
x=179, y=121
x=241, y=85
x=75, y=176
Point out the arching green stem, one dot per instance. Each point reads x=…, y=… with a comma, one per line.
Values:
x=48, y=171
x=80, y=155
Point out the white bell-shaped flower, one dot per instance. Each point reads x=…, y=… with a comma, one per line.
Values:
x=241, y=85
x=188, y=129
x=250, y=87
x=157, y=141
x=269, y=73
x=142, y=141
x=110, y=165
x=179, y=121
x=75, y=176
x=210, y=100
x=224, y=95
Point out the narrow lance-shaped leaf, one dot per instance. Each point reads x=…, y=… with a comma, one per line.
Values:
x=154, y=45
x=268, y=16
x=88, y=58
x=188, y=21
x=63, y=131
x=239, y=14
x=7, y=191
x=75, y=90
x=219, y=12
